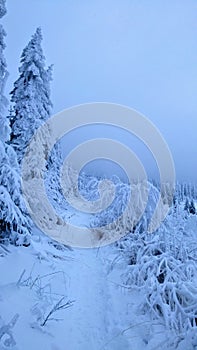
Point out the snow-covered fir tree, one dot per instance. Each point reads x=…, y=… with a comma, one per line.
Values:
x=30, y=96
x=14, y=222
x=32, y=105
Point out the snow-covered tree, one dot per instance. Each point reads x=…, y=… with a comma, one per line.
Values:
x=13, y=217
x=32, y=106
x=30, y=96
x=2, y=8
x=192, y=208
x=186, y=206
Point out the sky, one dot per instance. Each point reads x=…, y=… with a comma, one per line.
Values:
x=139, y=53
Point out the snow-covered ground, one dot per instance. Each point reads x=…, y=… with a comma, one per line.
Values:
x=98, y=313
x=104, y=314
x=138, y=293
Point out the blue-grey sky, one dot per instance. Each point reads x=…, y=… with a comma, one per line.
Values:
x=139, y=53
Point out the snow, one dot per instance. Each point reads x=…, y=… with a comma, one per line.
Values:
x=139, y=293
x=82, y=275
x=105, y=313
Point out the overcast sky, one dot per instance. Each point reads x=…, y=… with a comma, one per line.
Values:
x=139, y=53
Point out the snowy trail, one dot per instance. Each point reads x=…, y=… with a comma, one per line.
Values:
x=98, y=315
x=103, y=316
x=87, y=319
x=85, y=324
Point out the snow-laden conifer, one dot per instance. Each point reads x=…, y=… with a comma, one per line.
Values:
x=14, y=223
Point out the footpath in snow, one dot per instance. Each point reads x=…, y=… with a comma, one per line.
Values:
x=105, y=314
x=48, y=273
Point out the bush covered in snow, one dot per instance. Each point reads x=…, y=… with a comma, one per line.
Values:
x=164, y=267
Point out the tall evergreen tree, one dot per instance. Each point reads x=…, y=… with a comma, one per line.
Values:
x=30, y=96
x=14, y=223
x=32, y=106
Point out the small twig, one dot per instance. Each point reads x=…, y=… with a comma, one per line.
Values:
x=58, y=306
x=125, y=330
x=4, y=248
x=20, y=278
x=120, y=285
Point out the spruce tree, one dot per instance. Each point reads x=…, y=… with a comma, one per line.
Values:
x=32, y=107
x=30, y=96
x=14, y=222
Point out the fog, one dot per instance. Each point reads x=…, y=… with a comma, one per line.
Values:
x=141, y=54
